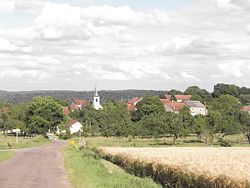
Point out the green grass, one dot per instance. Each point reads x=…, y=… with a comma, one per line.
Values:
x=5, y=155
x=189, y=141
x=87, y=170
x=22, y=143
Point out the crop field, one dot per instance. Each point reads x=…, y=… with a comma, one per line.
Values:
x=185, y=167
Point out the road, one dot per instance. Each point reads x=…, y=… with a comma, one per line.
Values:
x=41, y=167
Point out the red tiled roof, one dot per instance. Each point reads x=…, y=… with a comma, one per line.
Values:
x=134, y=100
x=73, y=107
x=175, y=106
x=131, y=107
x=71, y=122
x=66, y=111
x=164, y=101
x=81, y=102
x=183, y=97
x=168, y=97
x=246, y=108
x=5, y=109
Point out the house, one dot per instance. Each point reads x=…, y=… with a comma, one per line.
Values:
x=74, y=126
x=246, y=109
x=78, y=104
x=172, y=106
x=66, y=111
x=131, y=105
x=182, y=98
x=196, y=108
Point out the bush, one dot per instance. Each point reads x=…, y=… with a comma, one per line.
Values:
x=224, y=143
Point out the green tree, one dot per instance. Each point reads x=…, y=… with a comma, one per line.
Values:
x=44, y=114
x=147, y=106
x=199, y=94
x=226, y=89
x=245, y=121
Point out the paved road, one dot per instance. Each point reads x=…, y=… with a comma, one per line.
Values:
x=35, y=168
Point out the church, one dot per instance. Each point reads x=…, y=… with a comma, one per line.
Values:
x=78, y=104
x=96, y=100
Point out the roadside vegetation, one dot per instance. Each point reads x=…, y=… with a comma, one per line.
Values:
x=4, y=155
x=9, y=142
x=86, y=169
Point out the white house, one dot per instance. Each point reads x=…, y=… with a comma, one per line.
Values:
x=96, y=100
x=74, y=126
x=196, y=108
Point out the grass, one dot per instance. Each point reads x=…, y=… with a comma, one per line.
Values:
x=22, y=143
x=185, y=167
x=4, y=155
x=189, y=141
x=87, y=170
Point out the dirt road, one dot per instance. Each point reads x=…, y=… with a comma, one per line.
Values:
x=35, y=168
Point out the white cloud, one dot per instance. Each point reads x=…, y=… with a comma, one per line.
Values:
x=6, y=45
x=190, y=78
x=232, y=69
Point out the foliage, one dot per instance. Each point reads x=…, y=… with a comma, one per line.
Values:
x=199, y=94
x=44, y=114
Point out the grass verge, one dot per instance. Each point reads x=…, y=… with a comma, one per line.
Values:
x=4, y=155
x=87, y=170
x=22, y=143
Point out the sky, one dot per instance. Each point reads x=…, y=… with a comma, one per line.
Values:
x=125, y=44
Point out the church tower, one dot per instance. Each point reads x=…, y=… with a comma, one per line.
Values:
x=96, y=101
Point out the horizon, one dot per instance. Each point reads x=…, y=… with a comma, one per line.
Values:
x=147, y=45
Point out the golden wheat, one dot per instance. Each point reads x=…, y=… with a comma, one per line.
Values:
x=233, y=163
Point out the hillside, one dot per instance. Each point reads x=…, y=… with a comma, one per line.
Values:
x=119, y=95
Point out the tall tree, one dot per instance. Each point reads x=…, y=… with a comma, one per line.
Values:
x=44, y=114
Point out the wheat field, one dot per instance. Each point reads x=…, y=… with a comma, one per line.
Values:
x=228, y=164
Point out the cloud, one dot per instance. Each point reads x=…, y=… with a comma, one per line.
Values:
x=202, y=43
x=6, y=45
x=190, y=78
x=123, y=15
x=60, y=21
x=232, y=68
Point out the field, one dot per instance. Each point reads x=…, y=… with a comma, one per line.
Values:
x=86, y=169
x=185, y=167
x=10, y=142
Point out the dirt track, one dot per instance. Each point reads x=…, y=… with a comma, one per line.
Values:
x=35, y=168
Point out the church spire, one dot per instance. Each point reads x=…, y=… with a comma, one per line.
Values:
x=96, y=92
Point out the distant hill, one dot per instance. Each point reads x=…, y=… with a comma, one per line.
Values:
x=119, y=95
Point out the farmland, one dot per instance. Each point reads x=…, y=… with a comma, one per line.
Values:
x=186, y=167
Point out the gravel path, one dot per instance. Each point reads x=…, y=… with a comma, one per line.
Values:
x=35, y=168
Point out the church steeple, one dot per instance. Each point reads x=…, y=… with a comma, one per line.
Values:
x=96, y=101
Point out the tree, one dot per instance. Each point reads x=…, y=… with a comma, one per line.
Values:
x=245, y=99
x=245, y=121
x=4, y=116
x=199, y=94
x=114, y=119
x=224, y=115
x=147, y=106
x=176, y=126
x=226, y=89
x=44, y=114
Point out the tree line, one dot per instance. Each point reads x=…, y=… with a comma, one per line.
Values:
x=150, y=120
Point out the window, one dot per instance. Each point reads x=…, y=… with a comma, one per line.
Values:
x=96, y=100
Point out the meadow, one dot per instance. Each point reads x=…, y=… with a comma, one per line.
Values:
x=9, y=142
x=185, y=166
